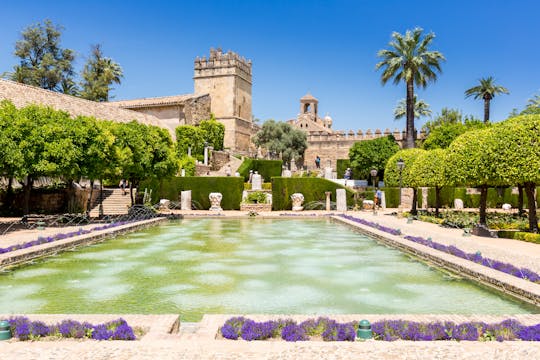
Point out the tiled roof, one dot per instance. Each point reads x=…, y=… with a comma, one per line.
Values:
x=308, y=96
x=156, y=101
x=22, y=95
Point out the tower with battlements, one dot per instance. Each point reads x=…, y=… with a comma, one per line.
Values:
x=226, y=77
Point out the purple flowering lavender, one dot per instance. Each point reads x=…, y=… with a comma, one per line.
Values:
x=100, y=332
x=233, y=327
x=252, y=330
x=123, y=332
x=71, y=328
x=530, y=333
x=39, y=329
x=293, y=332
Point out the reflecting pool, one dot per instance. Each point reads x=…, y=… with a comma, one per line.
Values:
x=286, y=266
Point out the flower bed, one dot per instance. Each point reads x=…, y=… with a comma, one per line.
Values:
x=372, y=224
x=42, y=240
x=387, y=330
x=522, y=273
x=24, y=329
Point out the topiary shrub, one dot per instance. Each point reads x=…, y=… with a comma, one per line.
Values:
x=201, y=186
x=266, y=168
x=313, y=189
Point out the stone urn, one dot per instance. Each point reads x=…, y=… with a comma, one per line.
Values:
x=297, y=200
x=215, y=201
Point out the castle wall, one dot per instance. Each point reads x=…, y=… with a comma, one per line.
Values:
x=237, y=133
x=334, y=146
x=169, y=116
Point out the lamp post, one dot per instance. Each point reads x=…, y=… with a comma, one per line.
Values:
x=373, y=174
x=400, y=166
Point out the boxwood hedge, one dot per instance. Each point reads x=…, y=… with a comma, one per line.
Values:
x=266, y=168
x=230, y=187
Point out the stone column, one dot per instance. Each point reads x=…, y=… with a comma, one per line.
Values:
x=206, y=155
x=341, y=200
x=256, y=181
x=328, y=194
x=185, y=200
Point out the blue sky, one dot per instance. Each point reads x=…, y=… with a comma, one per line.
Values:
x=325, y=47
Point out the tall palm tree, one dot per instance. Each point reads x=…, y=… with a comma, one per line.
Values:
x=487, y=91
x=410, y=61
x=421, y=108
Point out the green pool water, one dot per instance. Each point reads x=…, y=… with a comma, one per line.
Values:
x=286, y=266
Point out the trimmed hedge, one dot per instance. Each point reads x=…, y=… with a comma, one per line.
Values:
x=266, y=168
x=494, y=199
x=313, y=189
x=230, y=187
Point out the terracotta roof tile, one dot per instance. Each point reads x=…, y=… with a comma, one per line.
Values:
x=22, y=95
x=155, y=101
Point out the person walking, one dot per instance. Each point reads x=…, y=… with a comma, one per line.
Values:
x=318, y=162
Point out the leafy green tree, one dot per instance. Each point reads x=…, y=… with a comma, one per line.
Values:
x=515, y=157
x=409, y=60
x=12, y=156
x=213, y=132
x=447, y=126
x=372, y=154
x=189, y=137
x=429, y=170
x=392, y=174
x=98, y=75
x=43, y=62
x=421, y=108
x=470, y=163
x=46, y=145
x=280, y=137
x=487, y=90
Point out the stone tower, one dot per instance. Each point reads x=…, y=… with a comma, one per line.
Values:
x=227, y=78
x=308, y=105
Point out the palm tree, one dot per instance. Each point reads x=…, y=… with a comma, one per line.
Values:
x=487, y=91
x=410, y=61
x=534, y=101
x=421, y=108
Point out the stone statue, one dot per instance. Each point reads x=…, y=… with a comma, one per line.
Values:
x=297, y=200
x=215, y=201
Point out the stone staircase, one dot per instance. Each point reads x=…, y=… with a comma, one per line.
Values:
x=114, y=203
x=235, y=164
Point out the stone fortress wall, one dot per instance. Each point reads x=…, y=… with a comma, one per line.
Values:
x=333, y=146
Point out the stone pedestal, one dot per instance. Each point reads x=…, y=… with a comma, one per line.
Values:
x=328, y=174
x=185, y=200
x=287, y=173
x=256, y=181
x=297, y=200
x=341, y=200
x=215, y=201
x=406, y=198
x=328, y=195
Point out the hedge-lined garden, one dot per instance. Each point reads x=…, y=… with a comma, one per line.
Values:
x=230, y=187
x=313, y=189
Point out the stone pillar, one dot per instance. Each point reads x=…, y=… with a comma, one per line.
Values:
x=341, y=200
x=424, y=197
x=215, y=201
x=287, y=173
x=293, y=165
x=406, y=198
x=256, y=181
x=185, y=200
x=328, y=173
x=328, y=194
x=383, y=200
x=206, y=155
x=183, y=172
x=297, y=200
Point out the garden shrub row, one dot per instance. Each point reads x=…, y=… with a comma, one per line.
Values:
x=266, y=168
x=230, y=187
x=495, y=199
x=313, y=189
x=386, y=330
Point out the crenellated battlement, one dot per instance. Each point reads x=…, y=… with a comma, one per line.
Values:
x=219, y=60
x=351, y=136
